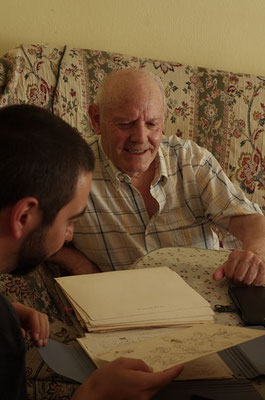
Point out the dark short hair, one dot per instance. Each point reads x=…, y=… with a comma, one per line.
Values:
x=40, y=156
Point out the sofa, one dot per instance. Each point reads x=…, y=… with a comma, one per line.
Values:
x=220, y=110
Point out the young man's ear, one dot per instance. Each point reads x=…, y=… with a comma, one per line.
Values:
x=25, y=217
x=93, y=111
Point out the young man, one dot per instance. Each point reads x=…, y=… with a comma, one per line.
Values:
x=45, y=178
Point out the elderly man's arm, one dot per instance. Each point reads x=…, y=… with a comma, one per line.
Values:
x=73, y=262
x=246, y=265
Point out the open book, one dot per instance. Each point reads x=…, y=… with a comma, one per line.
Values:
x=159, y=303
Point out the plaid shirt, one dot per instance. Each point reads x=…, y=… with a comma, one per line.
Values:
x=193, y=194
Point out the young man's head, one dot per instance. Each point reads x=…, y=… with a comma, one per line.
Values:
x=45, y=177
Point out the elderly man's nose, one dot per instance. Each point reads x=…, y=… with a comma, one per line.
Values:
x=140, y=133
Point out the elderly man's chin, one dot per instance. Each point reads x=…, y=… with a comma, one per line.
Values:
x=134, y=168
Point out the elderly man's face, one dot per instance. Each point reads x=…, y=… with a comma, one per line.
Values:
x=131, y=125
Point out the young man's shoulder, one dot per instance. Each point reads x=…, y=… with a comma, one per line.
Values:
x=10, y=333
x=12, y=354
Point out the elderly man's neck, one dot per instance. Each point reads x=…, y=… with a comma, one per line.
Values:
x=142, y=182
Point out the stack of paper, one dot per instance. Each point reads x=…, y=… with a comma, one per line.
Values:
x=150, y=297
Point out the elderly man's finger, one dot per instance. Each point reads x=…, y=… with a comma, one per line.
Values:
x=219, y=273
x=246, y=274
x=260, y=277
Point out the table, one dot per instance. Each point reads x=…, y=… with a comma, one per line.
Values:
x=196, y=267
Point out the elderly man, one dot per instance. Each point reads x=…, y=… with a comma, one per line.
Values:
x=151, y=191
x=45, y=178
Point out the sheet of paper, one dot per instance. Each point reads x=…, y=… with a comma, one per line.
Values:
x=97, y=343
x=184, y=345
x=182, y=323
x=67, y=360
x=208, y=367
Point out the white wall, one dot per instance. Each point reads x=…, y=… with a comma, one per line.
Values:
x=223, y=34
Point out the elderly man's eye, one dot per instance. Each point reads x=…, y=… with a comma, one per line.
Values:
x=125, y=124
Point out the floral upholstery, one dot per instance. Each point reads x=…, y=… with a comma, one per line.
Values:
x=222, y=111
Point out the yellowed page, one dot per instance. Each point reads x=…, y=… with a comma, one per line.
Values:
x=167, y=319
x=208, y=367
x=131, y=293
x=184, y=345
x=98, y=343
x=183, y=322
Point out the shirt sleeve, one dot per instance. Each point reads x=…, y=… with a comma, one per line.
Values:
x=221, y=198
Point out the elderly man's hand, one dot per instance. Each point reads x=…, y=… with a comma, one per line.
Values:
x=243, y=266
x=33, y=321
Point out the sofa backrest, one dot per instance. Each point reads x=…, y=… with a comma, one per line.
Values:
x=222, y=111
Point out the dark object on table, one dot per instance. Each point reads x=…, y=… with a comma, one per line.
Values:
x=250, y=302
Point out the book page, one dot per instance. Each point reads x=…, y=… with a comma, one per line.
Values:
x=184, y=345
x=208, y=367
x=97, y=343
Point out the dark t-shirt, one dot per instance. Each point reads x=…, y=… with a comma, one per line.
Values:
x=12, y=355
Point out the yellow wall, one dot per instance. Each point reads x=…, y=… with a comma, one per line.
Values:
x=224, y=34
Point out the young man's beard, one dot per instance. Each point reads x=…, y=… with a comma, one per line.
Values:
x=32, y=252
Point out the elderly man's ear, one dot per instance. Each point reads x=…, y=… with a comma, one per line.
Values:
x=93, y=112
x=25, y=216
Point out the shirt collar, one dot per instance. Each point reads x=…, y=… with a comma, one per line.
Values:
x=161, y=174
